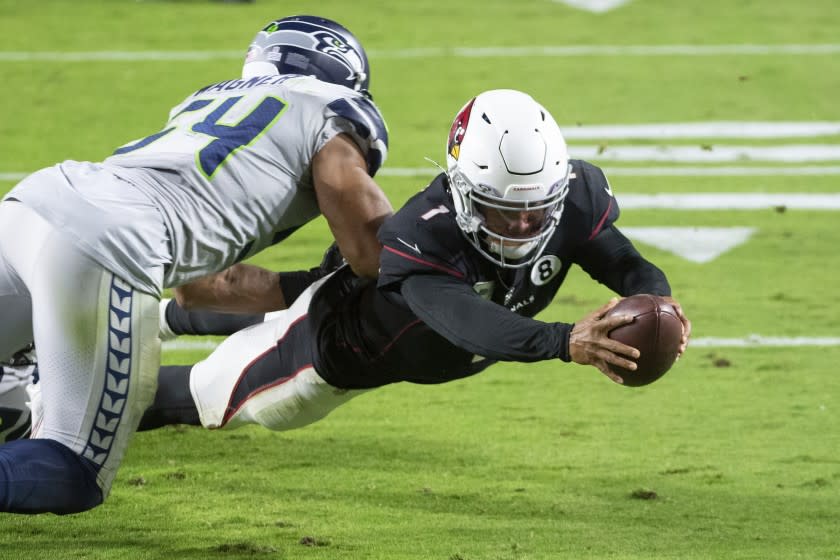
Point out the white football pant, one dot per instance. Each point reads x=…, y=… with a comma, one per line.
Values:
x=97, y=338
x=264, y=375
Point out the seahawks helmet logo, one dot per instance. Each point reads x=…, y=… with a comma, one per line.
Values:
x=334, y=46
x=271, y=42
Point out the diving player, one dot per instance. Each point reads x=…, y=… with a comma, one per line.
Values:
x=238, y=167
x=466, y=265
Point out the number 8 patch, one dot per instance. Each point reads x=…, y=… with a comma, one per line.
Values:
x=544, y=269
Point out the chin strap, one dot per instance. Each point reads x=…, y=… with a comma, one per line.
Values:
x=516, y=252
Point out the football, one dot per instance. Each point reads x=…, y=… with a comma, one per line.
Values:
x=655, y=332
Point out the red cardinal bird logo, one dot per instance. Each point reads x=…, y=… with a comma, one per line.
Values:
x=458, y=130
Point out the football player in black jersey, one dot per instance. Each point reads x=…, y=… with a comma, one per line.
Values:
x=465, y=265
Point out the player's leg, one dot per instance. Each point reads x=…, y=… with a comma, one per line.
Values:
x=173, y=402
x=15, y=332
x=264, y=375
x=98, y=354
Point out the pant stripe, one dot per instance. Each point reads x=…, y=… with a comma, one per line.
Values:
x=279, y=364
x=117, y=374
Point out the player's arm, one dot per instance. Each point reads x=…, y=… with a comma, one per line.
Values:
x=242, y=288
x=230, y=300
x=245, y=288
x=351, y=201
x=611, y=259
x=456, y=312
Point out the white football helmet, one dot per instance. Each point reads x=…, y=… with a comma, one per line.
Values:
x=508, y=171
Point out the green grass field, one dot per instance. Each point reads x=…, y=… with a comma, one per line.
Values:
x=733, y=455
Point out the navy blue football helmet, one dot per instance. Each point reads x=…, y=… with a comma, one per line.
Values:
x=311, y=46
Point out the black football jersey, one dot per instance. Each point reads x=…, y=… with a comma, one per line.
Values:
x=440, y=310
x=423, y=238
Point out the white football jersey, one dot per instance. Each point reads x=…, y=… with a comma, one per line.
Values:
x=228, y=176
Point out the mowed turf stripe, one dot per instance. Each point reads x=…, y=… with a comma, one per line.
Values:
x=448, y=52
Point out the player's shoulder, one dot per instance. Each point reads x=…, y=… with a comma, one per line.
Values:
x=423, y=236
x=586, y=180
x=429, y=213
x=590, y=205
x=589, y=189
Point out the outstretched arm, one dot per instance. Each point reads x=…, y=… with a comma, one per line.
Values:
x=456, y=312
x=482, y=327
x=351, y=201
x=611, y=259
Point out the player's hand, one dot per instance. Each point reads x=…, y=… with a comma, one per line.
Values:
x=589, y=343
x=332, y=259
x=686, y=324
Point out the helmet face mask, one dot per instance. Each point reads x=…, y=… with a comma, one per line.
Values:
x=310, y=46
x=509, y=174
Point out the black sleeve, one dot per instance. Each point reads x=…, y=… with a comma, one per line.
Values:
x=182, y=322
x=611, y=259
x=452, y=309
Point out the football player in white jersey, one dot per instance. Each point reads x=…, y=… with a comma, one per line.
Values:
x=238, y=167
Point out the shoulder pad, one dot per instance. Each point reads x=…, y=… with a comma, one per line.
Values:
x=592, y=196
x=369, y=126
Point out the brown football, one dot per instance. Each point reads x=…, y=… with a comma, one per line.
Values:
x=655, y=332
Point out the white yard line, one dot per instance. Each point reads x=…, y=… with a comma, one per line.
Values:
x=751, y=341
x=757, y=341
x=730, y=201
x=794, y=153
x=596, y=6
x=720, y=171
x=117, y=56
x=707, y=129
x=682, y=171
x=448, y=52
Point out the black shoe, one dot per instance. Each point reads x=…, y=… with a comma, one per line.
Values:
x=16, y=421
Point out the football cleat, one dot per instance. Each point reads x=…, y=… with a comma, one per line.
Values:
x=15, y=374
